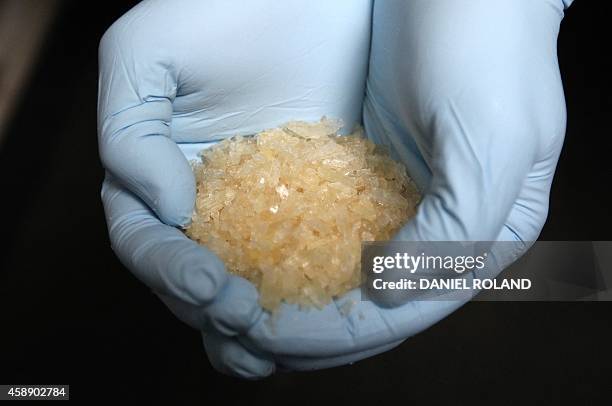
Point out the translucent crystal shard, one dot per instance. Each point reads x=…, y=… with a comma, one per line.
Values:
x=288, y=208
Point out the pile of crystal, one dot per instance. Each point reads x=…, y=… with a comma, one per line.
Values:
x=287, y=209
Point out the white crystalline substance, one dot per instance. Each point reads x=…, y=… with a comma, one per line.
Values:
x=288, y=208
x=282, y=191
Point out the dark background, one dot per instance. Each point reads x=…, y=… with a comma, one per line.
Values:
x=70, y=313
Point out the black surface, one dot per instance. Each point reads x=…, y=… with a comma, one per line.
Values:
x=70, y=313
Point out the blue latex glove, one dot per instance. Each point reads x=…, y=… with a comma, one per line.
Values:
x=466, y=92
x=177, y=74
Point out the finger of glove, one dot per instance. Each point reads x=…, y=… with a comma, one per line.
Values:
x=229, y=357
x=159, y=255
x=136, y=88
x=233, y=311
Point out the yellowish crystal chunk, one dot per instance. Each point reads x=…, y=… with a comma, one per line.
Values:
x=288, y=208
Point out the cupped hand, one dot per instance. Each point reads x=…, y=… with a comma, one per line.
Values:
x=469, y=96
x=176, y=76
x=466, y=93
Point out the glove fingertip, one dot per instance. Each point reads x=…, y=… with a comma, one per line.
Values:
x=229, y=357
x=203, y=275
x=174, y=203
x=236, y=308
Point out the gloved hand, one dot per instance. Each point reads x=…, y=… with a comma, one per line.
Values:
x=177, y=74
x=467, y=93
